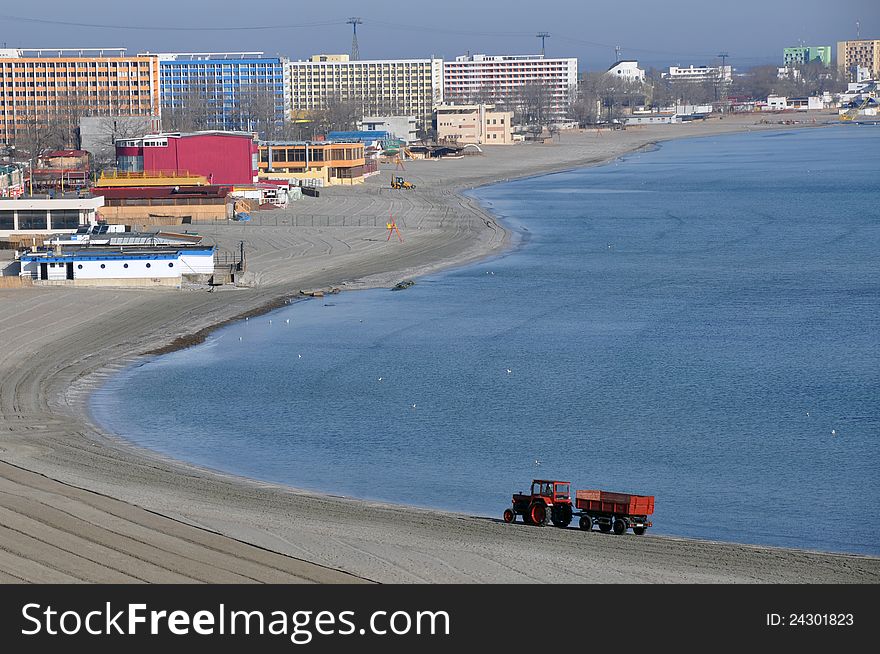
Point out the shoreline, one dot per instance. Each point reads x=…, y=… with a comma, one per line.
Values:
x=195, y=495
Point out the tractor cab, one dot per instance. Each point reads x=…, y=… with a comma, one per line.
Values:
x=552, y=492
x=548, y=499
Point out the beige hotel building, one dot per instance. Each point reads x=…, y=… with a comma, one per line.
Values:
x=862, y=53
x=390, y=87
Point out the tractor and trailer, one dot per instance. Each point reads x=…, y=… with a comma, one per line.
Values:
x=551, y=500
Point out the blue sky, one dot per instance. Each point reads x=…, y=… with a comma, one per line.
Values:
x=654, y=32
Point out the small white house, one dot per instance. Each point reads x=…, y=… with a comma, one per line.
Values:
x=653, y=119
x=627, y=70
x=776, y=103
x=116, y=267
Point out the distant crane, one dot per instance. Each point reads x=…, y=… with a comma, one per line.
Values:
x=354, y=21
x=543, y=36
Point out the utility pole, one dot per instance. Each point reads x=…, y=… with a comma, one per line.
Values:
x=354, y=22
x=722, y=80
x=543, y=36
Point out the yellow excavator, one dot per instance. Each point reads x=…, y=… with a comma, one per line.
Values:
x=400, y=182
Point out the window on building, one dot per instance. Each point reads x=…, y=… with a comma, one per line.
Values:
x=65, y=218
x=31, y=219
x=7, y=220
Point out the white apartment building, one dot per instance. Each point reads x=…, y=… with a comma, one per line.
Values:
x=699, y=73
x=399, y=87
x=502, y=79
x=627, y=70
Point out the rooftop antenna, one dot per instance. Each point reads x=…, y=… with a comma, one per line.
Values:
x=354, y=22
x=543, y=36
x=858, y=30
x=617, y=50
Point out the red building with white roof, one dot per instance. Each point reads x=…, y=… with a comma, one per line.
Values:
x=222, y=157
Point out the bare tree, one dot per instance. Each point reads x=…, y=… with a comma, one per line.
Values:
x=603, y=97
x=256, y=110
x=194, y=111
x=340, y=113
x=797, y=81
x=533, y=105
x=98, y=135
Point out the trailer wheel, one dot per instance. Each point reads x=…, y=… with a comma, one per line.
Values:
x=619, y=527
x=638, y=531
x=509, y=515
x=604, y=528
x=538, y=513
x=585, y=523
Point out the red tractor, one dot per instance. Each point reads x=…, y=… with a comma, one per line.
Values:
x=548, y=499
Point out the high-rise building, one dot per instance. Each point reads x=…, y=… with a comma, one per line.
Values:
x=43, y=91
x=860, y=53
x=807, y=54
x=510, y=81
x=223, y=90
x=408, y=87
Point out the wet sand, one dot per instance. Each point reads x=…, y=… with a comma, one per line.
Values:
x=78, y=504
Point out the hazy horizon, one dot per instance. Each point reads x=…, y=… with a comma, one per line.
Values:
x=677, y=32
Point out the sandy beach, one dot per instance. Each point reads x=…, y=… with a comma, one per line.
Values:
x=81, y=505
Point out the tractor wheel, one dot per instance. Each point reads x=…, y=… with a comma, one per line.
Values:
x=561, y=516
x=638, y=531
x=604, y=528
x=585, y=523
x=538, y=514
x=509, y=515
x=619, y=527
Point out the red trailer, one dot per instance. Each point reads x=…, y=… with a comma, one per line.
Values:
x=617, y=511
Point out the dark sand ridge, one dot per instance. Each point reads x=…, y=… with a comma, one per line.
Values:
x=78, y=504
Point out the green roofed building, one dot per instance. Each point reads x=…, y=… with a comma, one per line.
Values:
x=808, y=54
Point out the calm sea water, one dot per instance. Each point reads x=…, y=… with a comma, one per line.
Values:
x=701, y=323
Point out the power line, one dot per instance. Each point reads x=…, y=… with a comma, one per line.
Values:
x=166, y=28
x=326, y=23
